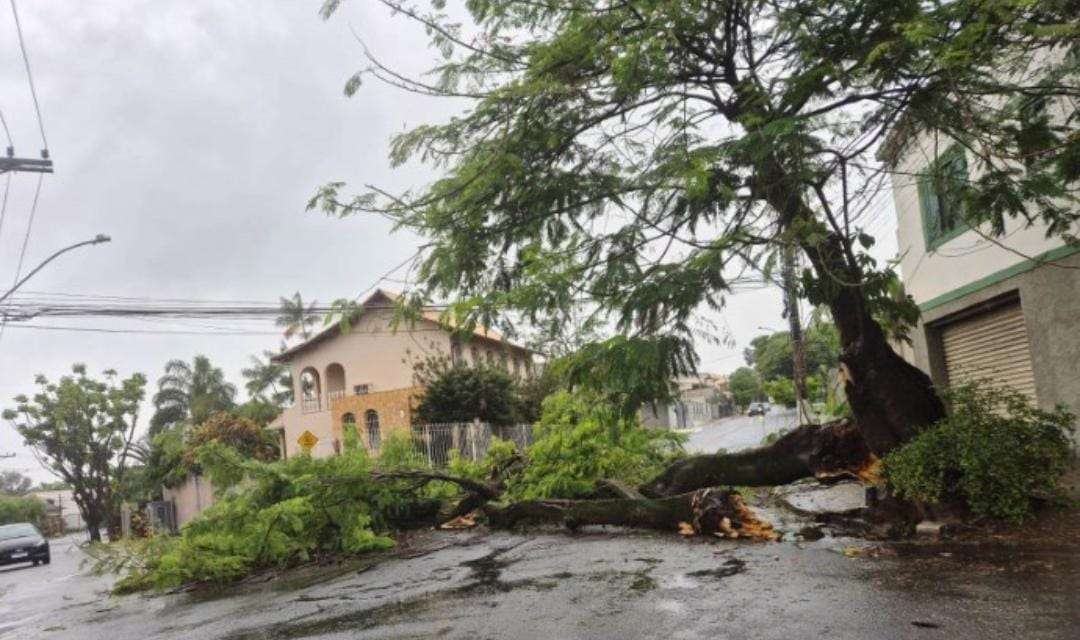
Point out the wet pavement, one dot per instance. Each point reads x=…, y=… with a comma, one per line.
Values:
x=739, y=432
x=596, y=584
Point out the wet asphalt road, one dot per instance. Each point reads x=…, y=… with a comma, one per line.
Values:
x=34, y=599
x=739, y=432
x=594, y=585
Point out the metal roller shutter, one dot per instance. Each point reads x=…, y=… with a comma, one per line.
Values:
x=990, y=345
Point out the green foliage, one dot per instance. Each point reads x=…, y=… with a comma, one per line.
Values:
x=83, y=429
x=268, y=383
x=744, y=386
x=22, y=509
x=274, y=514
x=13, y=483
x=190, y=392
x=296, y=317
x=574, y=449
x=460, y=393
x=782, y=391
x=532, y=391
x=764, y=120
x=772, y=355
x=240, y=434
x=994, y=451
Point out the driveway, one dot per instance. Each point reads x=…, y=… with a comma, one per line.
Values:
x=598, y=584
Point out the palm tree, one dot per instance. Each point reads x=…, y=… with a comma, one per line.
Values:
x=295, y=317
x=268, y=376
x=190, y=392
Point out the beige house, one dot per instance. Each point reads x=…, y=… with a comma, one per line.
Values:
x=366, y=375
x=1006, y=308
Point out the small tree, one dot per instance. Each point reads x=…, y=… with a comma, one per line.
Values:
x=744, y=386
x=13, y=483
x=82, y=430
x=456, y=393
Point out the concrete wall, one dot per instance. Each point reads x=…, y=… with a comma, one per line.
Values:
x=190, y=498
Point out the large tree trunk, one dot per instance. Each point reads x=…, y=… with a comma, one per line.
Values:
x=890, y=398
x=718, y=512
x=810, y=450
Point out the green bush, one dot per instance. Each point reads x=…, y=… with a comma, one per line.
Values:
x=22, y=509
x=574, y=449
x=994, y=451
x=273, y=514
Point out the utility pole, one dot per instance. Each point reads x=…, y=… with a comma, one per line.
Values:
x=791, y=308
x=25, y=165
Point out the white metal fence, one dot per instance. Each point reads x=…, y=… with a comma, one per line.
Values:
x=438, y=442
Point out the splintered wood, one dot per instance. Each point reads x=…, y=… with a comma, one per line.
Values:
x=724, y=514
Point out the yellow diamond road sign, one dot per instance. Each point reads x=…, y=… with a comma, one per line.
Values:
x=307, y=440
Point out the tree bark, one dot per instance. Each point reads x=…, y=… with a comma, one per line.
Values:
x=889, y=398
x=703, y=512
x=809, y=450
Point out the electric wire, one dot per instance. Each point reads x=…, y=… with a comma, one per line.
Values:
x=30, y=77
x=22, y=252
x=7, y=132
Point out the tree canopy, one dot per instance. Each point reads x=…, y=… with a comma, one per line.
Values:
x=642, y=159
x=190, y=392
x=771, y=355
x=82, y=429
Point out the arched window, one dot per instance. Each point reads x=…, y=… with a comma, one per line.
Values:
x=371, y=419
x=475, y=356
x=335, y=381
x=310, y=391
x=517, y=368
x=456, y=355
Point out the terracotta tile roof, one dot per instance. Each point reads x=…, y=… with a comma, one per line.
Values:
x=388, y=298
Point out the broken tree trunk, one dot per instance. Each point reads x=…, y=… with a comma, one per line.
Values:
x=707, y=512
x=810, y=450
x=890, y=399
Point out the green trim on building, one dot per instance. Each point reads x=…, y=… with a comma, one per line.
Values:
x=1020, y=267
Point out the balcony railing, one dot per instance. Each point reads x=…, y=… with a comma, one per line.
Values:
x=330, y=395
x=310, y=405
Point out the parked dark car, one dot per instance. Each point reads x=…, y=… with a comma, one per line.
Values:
x=757, y=409
x=22, y=542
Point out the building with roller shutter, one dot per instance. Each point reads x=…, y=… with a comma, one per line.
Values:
x=1007, y=308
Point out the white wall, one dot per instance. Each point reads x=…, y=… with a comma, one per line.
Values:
x=963, y=259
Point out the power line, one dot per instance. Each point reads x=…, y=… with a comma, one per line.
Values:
x=26, y=241
x=7, y=132
x=3, y=204
x=30, y=79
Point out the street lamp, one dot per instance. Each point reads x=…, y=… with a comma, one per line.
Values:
x=98, y=239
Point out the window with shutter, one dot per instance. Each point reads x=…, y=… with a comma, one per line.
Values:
x=941, y=197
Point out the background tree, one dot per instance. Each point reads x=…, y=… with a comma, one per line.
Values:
x=641, y=156
x=13, y=483
x=268, y=380
x=296, y=317
x=190, y=392
x=745, y=386
x=771, y=355
x=82, y=430
x=458, y=393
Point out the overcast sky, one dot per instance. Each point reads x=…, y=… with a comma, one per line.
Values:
x=193, y=132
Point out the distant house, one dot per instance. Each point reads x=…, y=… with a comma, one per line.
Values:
x=365, y=376
x=698, y=400
x=1005, y=308
x=60, y=508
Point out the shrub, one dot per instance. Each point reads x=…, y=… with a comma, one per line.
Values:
x=22, y=509
x=994, y=451
x=574, y=448
x=272, y=514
